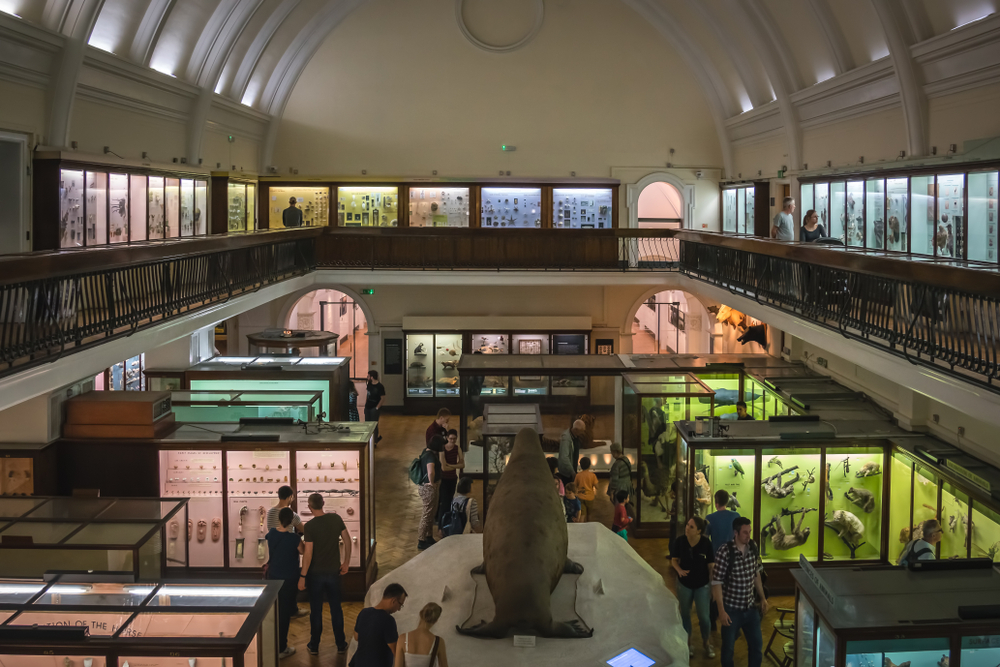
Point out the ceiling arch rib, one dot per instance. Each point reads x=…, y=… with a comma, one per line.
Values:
x=911, y=93
x=228, y=22
x=842, y=59
x=242, y=79
x=780, y=77
x=63, y=90
x=918, y=25
x=149, y=31
x=758, y=90
x=766, y=26
x=54, y=14
x=720, y=99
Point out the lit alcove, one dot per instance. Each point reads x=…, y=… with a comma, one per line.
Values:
x=661, y=206
x=334, y=311
x=671, y=322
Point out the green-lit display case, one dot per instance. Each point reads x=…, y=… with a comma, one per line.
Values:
x=139, y=536
x=98, y=621
x=232, y=406
x=368, y=206
x=847, y=617
x=658, y=401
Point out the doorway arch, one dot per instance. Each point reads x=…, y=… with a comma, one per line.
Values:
x=337, y=310
x=670, y=321
x=665, y=184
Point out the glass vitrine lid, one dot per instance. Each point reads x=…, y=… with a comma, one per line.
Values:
x=112, y=533
x=176, y=595
x=11, y=508
x=19, y=593
x=71, y=508
x=186, y=625
x=97, y=594
x=235, y=361
x=320, y=361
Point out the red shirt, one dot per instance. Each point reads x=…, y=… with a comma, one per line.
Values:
x=452, y=459
x=435, y=429
x=621, y=518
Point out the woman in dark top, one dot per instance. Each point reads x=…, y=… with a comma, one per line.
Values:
x=811, y=228
x=692, y=558
x=352, y=403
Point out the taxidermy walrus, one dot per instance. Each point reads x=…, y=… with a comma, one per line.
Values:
x=524, y=548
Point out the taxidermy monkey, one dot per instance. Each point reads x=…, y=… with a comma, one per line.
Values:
x=868, y=469
x=702, y=494
x=775, y=488
x=863, y=498
x=799, y=535
x=810, y=479
x=849, y=529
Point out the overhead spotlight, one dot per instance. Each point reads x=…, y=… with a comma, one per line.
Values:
x=434, y=173
x=73, y=145
x=145, y=156
x=805, y=166
x=364, y=172
x=861, y=159
x=902, y=154
x=952, y=148
x=175, y=160
x=573, y=174
x=755, y=334
x=933, y=150
x=829, y=163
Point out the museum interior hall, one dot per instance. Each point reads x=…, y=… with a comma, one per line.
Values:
x=499, y=332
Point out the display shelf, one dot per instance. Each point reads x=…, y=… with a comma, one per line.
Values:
x=368, y=206
x=582, y=208
x=439, y=207
x=432, y=364
x=519, y=208
x=312, y=201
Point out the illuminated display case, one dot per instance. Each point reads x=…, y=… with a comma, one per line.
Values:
x=368, y=206
x=234, y=202
x=328, y=375
x=95, y=621
x=140, y=536
x=495, y=385
x=28, y=468
x=743, y=210
x=855, y=618
x=312, y=200
x=582, y=208
x=231, y=474
x=432, y=364
x=233, y=406
x=432, y=206
x=511, y=208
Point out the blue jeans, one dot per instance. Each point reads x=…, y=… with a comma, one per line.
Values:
x=685, y=596
x=747, y=620
x=322, y=588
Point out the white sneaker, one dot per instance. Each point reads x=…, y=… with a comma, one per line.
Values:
x=287, y=652
x=709, y=651
x=690, y=651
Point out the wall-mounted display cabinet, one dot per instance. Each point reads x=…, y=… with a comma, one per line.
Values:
x=744, y=208
x=368, y=206
x=439, y=207
x=28, y=468
x=582, y=208
x=949, y=213
x=312, y=201
x=231, y=474
x=81, y=205
x=511, y=207
x=108, y=623
x=234, y=202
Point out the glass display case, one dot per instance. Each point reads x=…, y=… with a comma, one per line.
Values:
x=821, y=202
x=329, y=376
x=571, y=385
x=807, y=202
x=368, y=206
x=531, y=343
x=126, y=375
x=922, y=215
x=882, y=618
x=439, y=207
x=234, y=406
x=156, y=211
x=949, y=239
x=511, y=207
x=137, y=204
x=838, y=212
x=97, y=206
x=313, y=201
x=983, y=238
x=172, y=207
x=187, y=207
x=875, y=209
x=854, y=214
x=108, y=623
x=729, y=210
x=432, y=364
x=140, y=536
x=741, y=211
x=238, y=199
x=897, y=214
x=492, y=385
x=658, y=401
x=71, y=212
x=582, y=208
x=28, y=468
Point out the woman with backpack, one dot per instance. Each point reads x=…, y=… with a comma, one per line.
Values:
x=692, y=558
x=463, y=514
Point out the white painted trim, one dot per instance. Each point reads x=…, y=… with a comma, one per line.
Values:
x=289, y=301
x=500, y=48
x=633, y=190
x=499, y=323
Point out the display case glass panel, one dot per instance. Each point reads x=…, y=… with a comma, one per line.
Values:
x=900, y=493
x=118, y=218
x=983, y=237
x=321, y=386
x=854, y=502
x=172, y=207
x=729, y=469
x=337, y=476
x=838, y=211
x=729, y=210
x=727, y=391
x=925, y=498
x=854, y=218
x=156, y=211
x=954, y=522
x=439, y=207
x=897, y=213
x=447, y=352
x=951, y=215
x=741, y=211
x=806, y=203
x=201, y=207
x=368, y=206
x=494, y=385
x=826, y=645
x=251, y=222
x=237, y=198
x=138, y=201
x=981, y=651
x=530, y=385
x=195, y=474
x=922, y=215
x=96, y=595
x=211, y=407
x=581, y=208
x=933, y=652
x=985, y=533
x=821, y=202
x=258, y=475
x=150, y=624
x=789, y=504
x=419, y=355
x=573, y=385
x=751, y=192
x=206, y=595
x=312, y=201
x=805, y=628
x=70, y=208
x=511, y=208
x=187, y=207
x=18, y=593
x=97, y=207
x=875, y=214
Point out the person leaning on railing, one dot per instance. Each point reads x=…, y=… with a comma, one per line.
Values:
x=812, y=229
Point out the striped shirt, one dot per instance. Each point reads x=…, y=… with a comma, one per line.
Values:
x=272, y=519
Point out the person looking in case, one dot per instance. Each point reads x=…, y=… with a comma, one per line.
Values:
x=375, y=630
x=692, y=559
x=811, y=229
x=781, y=229
x=283, y=548
x=586, y=488
x=439, y=426
x=321, y=571
x=453, y=462
x=569, y=451
x=720, y=531
x=373, y=401
x=292, y=216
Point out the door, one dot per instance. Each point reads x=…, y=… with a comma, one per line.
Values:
x=14, y=229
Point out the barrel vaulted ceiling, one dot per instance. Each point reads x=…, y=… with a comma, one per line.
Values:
x=752, y=58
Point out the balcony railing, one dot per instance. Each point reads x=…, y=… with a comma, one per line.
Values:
x=54, y=303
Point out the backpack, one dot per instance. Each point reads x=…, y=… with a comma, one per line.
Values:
x=731, y=553
x=453, y=521
x=909, y=553
x=416, y=471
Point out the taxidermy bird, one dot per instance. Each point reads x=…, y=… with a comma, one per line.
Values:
x=810, y=479
x=775, y=461
x=656, y=493
x=737, y=468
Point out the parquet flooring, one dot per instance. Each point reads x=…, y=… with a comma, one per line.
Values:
x=398, y=513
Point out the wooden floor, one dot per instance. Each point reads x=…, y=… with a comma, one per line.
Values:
x=398, y=513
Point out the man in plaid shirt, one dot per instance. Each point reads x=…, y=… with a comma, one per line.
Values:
x=736, y=575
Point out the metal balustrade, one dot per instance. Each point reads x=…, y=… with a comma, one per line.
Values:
x=43, y=318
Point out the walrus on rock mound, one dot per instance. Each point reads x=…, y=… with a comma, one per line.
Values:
x=524, y=548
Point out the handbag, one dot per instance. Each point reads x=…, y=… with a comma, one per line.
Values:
x=434, y=652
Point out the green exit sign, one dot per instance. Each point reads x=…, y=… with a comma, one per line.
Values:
x=367, y=291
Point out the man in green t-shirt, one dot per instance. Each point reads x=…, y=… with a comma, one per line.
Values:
x=321, y=571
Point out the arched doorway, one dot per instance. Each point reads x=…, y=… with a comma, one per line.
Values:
x=671, y=322
x=334, y=311
x=660, y=206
